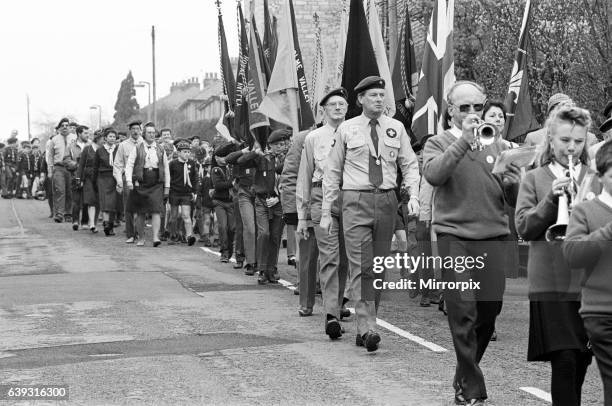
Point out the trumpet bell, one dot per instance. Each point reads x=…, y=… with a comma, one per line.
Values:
x=487, y=130
x=557, y=231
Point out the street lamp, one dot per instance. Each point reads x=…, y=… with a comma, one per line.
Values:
x=97, y=106
x=142, y=83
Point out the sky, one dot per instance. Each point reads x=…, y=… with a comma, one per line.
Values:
x=69, y=55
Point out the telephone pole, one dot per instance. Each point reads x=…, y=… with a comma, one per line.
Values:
x=154, y=94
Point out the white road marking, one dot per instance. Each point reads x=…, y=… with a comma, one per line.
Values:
x=105, y=355
x=205, y=249
x=539, y=393
x=21, y=231
x=402, y=333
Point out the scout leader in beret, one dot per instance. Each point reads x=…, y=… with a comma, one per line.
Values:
x=309, y=197
x=268, y=209
x=368, y=151
x=184, y=183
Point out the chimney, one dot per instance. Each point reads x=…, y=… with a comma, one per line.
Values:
x=209, y=79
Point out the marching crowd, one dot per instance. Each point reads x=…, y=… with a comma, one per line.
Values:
x=349, y=187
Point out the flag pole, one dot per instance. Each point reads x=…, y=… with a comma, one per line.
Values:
x=154, y=83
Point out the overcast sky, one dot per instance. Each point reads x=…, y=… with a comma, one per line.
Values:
x=71, y=54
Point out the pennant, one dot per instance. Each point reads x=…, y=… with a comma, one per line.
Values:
x=437, y=72
x=305, y=116
x=405, y=74
x=281, y=101
x=380, y=52
x=257, y=86
x=520, y=118
x=241, y=120
x=270, y=41
x=337, y=77
x=359, y=58
x=227, y=78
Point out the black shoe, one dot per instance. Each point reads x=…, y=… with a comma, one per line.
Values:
x=238, y=265
x=191, y=240
x=345, y=313
x=305, y=312
x=224, y=258
x=371, y=340
x=333, y=329
x=93, y=230
x=207, y=243
x=249, y=270
x=296, y=291
x=358, y=341
x=75, y=227
x=494, y=336
x=111, y=232
x=291, y=261
x=459, y=399
x=425, y=302
x=262, y=279
x=156, y=243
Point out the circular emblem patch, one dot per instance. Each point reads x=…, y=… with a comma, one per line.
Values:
x=392, y=154
x=391, y=133
x=490, y=159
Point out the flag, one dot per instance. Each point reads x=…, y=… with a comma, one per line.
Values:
x=318, y=73
x=405, y=74
x=281, y=101
x=305, y=116
x=380, y=52
x=229, y=84
x=241, y=120
x=437, y=71
x=223, y=129
x=256, y=86
x=337, y=77
x=520, y=117
x=359, y=58
x=270, y=41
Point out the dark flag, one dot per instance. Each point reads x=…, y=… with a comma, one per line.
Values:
x=520, y=117
x=437, y=72
x=241, y=121
x=257, y=86
x=359, y=57
x=405, y=74
x=270, y=42
x=225, y=126
x=305, y=116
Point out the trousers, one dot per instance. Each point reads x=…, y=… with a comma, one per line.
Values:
x=238, y=235
x=62, y=192
x=246, y=204
x=599, y=330
x=225, y=214
x=269, y=233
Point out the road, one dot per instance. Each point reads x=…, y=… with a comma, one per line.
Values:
x=172, y=325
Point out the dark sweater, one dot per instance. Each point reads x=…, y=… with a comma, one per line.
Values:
x=177, y=177
x=242, y=174
x=468, y=199
x=266, y=172
x=588, y=245
x=222, y=183
x=536, y=209
x=27, y=165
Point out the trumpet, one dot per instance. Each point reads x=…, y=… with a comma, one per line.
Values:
x=484, y=130
x=557, y=231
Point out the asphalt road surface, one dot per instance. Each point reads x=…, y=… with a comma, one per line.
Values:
x=119, y=324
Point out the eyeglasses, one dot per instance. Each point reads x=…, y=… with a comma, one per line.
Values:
x=465, y=108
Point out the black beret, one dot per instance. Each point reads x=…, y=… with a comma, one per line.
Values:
x=110, y=130
x=371, y=82
x=82, y=128
x=34, y=139
x=195, y=137
x=134, y=122
x=120, y=133
x=279, y=135
x=225, y=149
x=335, y=92
x=607, y=110
x=12, y=140
x=62, y=121
x=2, y=145
x=607, y=125
x=149, y=124
x=165, y=129
x=25, y=144
x=182, y=144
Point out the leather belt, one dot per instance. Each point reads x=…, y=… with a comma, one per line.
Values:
x=375, y=191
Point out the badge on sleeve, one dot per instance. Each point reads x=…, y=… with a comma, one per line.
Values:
x=490, y=159
x=391, y=133
x=392, y=154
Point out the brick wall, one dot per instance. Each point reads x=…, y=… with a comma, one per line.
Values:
x=329, y=12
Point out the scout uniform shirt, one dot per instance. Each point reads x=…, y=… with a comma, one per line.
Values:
x=349, y=159
x=317, y=147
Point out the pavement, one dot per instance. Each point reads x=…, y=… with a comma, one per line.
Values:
x=124, y=325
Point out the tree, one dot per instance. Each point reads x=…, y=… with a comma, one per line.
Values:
x=126, y=106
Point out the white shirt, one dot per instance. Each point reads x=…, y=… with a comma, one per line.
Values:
x=151, y=159
x=606, y=198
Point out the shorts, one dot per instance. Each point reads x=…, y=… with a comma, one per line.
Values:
x=180, y=200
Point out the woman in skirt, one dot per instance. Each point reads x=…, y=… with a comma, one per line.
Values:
x=85, y=173
x=148, y=179
x=106, y=183
x=556, y=331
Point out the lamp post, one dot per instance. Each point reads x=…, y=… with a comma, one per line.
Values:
x=94, y=107
x=142, y=83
